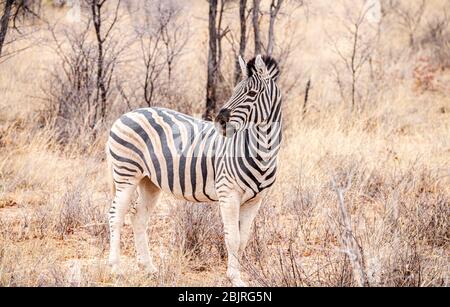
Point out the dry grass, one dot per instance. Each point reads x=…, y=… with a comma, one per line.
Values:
x=392, y=161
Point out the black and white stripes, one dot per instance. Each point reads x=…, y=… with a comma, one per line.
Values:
x=231, y=160
x=190, y=158
x=174, y=150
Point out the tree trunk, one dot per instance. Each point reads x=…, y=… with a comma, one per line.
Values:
x=274, y=9
x=4, y=22
x=257, y=32
x=353, y=66
x=219, y=35
x=242, y=39
x=211, y=83
x=305, y=101
x=102, y=91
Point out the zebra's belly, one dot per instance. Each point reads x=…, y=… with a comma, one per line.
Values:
x=184, y=178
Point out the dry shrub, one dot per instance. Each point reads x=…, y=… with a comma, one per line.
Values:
x=170, y=265
x=398, y=214
x=285, y=269
x=77, y=210
x=60, y=217
x=198, y=230
x=425, y=73
x=40, y=270
x=399, y=226
x=434, y=55
x=266, y=231
x=436, y=38
x=71, y=86
x=424, y=207
x=71, y=215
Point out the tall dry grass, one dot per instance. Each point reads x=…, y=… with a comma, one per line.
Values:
x=389, y=162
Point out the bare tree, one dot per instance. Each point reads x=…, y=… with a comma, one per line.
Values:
x=283, y=49
x=221, y=33
x=216, y=34
x=72, y=83
x=12, y=11
x=173, y=32
x=256, y=30
x=81, y=84
x=103, y=36
x=409, y=17
x=305, y=100
x=242, y=38
x=211, y=82
x=4, y=21
x=150, y=44
x=162, y=38
x=214, y=63
x=273, y=13
x=353, y=60
x=275, y=7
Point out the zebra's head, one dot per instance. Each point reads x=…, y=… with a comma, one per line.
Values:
x=254, y=97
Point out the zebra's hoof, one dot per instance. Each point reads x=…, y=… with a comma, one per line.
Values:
x=239, y=283
x=116, y=270
x=148, y=268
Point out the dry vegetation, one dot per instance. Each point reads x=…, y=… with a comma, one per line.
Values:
x=363, y=192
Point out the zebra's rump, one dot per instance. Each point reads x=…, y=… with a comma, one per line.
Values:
x=174, y=150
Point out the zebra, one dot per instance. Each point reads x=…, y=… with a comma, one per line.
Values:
x=232, y=160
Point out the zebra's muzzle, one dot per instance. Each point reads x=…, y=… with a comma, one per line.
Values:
x=222, y=123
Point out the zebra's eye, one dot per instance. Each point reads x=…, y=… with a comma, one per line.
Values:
x=252, y=94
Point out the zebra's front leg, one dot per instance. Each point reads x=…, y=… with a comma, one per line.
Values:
x=229, y=209
x=119, y=208
x=247, y=215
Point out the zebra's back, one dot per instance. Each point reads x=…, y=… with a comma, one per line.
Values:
x=174, y=150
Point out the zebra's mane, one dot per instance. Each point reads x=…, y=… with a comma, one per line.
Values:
x=271, y=64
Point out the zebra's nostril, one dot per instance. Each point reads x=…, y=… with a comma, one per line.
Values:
x=223, y=116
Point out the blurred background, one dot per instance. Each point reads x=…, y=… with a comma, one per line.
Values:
x=362, y=196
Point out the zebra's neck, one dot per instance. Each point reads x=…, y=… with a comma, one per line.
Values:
x=253, y=154
x=262, y=142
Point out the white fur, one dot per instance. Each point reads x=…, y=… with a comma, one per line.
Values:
x=261, y=67
x=243, y=66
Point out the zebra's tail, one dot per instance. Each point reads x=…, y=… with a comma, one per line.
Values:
x=112, y=186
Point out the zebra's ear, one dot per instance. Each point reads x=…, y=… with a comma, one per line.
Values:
x=243, y=65
x=261, y=67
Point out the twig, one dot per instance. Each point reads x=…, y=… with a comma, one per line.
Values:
x=348, y=240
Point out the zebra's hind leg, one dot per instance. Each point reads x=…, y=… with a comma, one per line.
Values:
x=119, y=208
x=148, y=197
